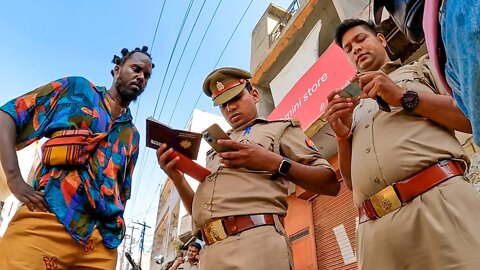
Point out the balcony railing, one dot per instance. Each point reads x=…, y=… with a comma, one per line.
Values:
x=277, y=30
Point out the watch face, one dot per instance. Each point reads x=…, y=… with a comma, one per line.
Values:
x=410, y=100
x=284, y=166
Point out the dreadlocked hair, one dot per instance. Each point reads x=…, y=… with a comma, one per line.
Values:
x=117, y=60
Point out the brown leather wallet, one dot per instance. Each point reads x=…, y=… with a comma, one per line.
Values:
x=400, y=193
x=221, y=228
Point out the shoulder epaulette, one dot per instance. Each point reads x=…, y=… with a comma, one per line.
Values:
x=293, y=122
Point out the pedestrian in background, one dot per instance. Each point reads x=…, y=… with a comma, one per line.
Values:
x=191, y=261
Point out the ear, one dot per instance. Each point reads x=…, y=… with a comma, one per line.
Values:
x=116, y=70
x=255, y=94
x=381, y=38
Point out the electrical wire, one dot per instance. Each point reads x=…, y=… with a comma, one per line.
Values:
x=151, y=51
x=156, y=28
x=187, y=12
x=175, y=72
x=225, y=48
x=150, y=205
x=171, y=55
x=180, y=59
x=193, y=61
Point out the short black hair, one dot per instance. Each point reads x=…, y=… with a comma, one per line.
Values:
x=349, y=24
x=117, y=60
x=249, y=86
x=195, y=244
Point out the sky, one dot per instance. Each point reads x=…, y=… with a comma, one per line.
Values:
x=42, y=41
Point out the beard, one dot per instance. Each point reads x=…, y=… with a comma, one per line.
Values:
x=125, y=93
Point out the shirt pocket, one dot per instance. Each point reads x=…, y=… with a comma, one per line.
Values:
x=411, y=80
x=264, y=141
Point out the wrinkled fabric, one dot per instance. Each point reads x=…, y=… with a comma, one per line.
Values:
x=460, y=29
x=437, y=230
x=94, y=194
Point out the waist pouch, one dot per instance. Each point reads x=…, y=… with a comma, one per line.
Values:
x=70, y=147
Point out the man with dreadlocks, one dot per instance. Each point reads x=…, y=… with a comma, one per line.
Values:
x=72, y=215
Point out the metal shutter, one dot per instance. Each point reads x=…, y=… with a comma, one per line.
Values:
x=335, y=223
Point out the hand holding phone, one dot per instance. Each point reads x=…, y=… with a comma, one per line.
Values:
x=382, y=104
x=351, y=90
x=214, y=133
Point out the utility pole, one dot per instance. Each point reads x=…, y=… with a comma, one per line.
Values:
x=131, y=241
x=142, y=238
x=123, y=250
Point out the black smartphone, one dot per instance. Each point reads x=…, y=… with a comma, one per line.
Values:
x=353, y=90
x=214, y=133
x=382, y=104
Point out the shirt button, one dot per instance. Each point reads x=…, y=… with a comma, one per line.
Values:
x=367, y=125
x=368, y=150
x=376, y=180
x=205, y=206
x=369, y=111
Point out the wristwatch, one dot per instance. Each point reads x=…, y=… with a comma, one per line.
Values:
x=284, y=166
x=409, y=100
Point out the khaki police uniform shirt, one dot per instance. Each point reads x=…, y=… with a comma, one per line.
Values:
x=439, y=228
x=188, y=266
x=240, y=191
x=388, y=147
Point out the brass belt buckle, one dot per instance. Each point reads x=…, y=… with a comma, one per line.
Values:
x=215, y=231
x=385, y=201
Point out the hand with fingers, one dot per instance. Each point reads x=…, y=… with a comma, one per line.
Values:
x=167, y=164
x=33, y=199
x=377, y=83
x=340, y=113
x=249, y=156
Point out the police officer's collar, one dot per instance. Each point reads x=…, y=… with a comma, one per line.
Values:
x=391, y=66
x=249, y=124
x=191, y=264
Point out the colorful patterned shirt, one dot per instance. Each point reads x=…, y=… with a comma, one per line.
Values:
x=93, y=195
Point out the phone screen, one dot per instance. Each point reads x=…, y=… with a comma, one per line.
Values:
x=352, y=90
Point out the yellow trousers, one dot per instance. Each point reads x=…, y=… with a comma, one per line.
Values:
x=38, y=241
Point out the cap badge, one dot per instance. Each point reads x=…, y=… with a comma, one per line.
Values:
x=220, y=86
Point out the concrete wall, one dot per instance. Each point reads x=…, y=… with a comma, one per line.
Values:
x=260, y=34
x=268, y=65
x=301, y=61
x=347, y=9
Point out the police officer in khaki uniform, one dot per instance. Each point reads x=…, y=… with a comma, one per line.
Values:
x=190, y=262
x=405, y=166
x=240, y=207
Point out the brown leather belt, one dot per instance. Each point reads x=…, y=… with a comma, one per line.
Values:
x=400, y=193
x=222, y=228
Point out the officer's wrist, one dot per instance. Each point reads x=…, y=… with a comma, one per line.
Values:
x=275, y=164
x=344, y=138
